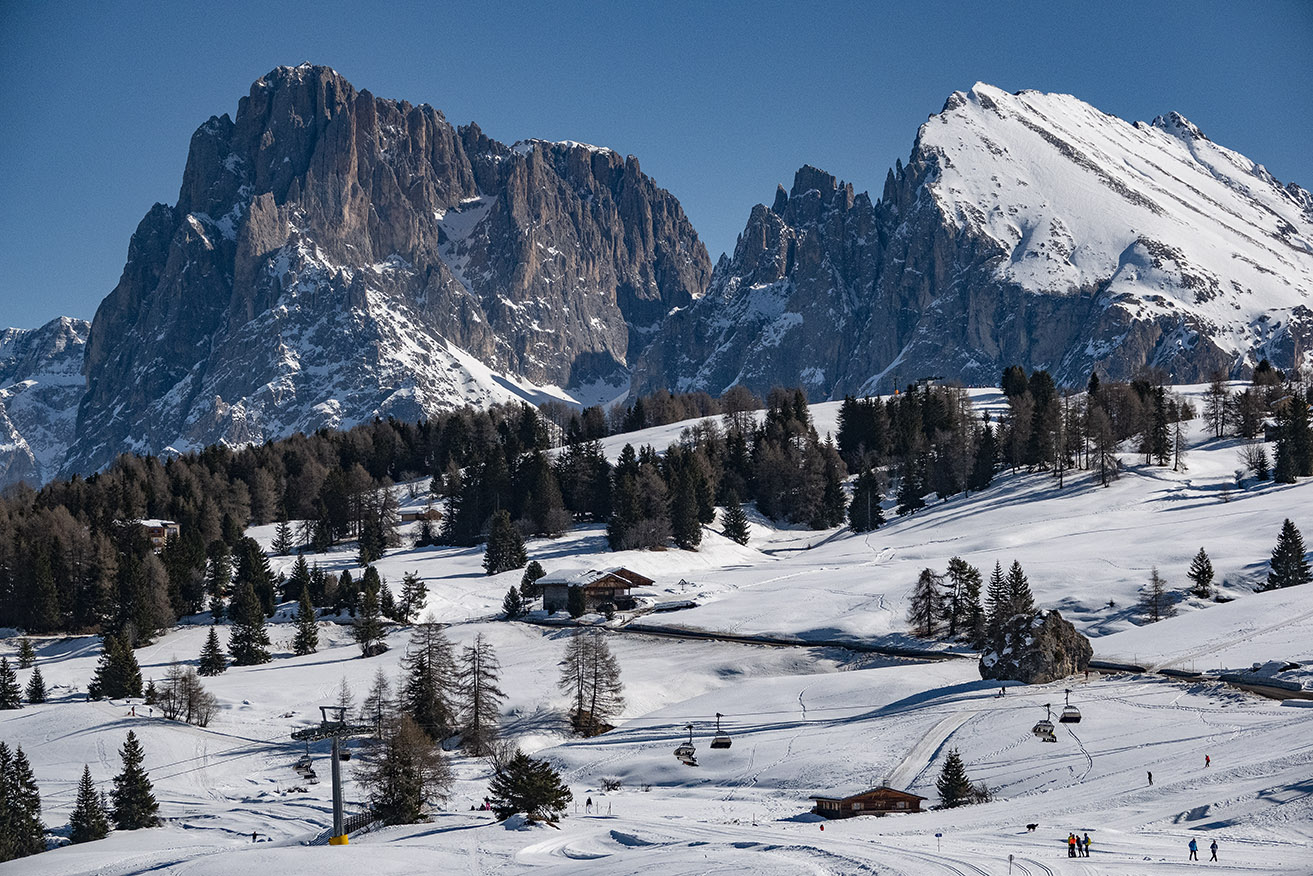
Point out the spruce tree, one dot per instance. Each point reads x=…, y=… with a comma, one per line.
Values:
x=523, y=784
x=865, y=513
x=134, y=799
x=307, y=627
x=282, y=543
x=11, y=696
x=248, y=642
x=962, y=607
x=117, y=674
x=925, y=605
x=953, y=785
x=529, y=581
x=505, y=549
x=378, y=706
x=684, y=525
x=218, y=580
x=368, y=630
x=213, y=661
x=404, y=774
x=26, y=654
x=24, y=833
x=1201, y=573
x=1289, y=567
x=997, y=607
x=1155, y=601
x=414, y=592
x=512, y=605
x=1020, y=599
x=575, y=603
x=734, y=520
x=36, y=687
x=89, y=820
x=911, y=486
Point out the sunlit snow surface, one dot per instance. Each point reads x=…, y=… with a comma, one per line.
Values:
x=804, y=720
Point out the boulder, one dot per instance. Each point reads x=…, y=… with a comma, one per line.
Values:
x=1035, y=650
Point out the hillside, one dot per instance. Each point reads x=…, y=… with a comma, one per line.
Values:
x=804, y=720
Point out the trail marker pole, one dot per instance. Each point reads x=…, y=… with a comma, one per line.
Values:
x=939, y=837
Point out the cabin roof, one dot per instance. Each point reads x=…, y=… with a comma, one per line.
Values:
x=882, y=789
x=585, y=577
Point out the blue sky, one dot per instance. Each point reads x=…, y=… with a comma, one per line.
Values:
x=719, y=101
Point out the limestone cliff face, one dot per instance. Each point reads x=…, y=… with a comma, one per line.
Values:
x=335, y=256
x=40, y=385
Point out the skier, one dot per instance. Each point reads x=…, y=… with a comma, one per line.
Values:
x=1071, y=845
x=588, y=806
x=1150, y=778
x=1213, y=848
x=1194, y=850
x=1087, y=845
x=1208, y=760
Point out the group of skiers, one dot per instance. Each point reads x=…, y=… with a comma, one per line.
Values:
x=1078, y=847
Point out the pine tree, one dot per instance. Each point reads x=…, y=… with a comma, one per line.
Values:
x=512, y=605
x=36, y=687
x=1154, y=599
x=89, y=820
x=26, y=654
x=11, y=696
x=218, y=580
x=684, y=525
x=523, y=784
x=368, y=630
x=954, y=787
x=299, y=579
x=282, y=543
x=248, y=642
x=924, y=609
x=1020, y=599
x=426, y=688
x=134, y=799
x=1289, y=566
x=213, y=661
x=378, y=707
x=575, y=603
x=734, y=520
x=307, y=627
x=404, y=774
x=1201, y=573
x=962, y=607
x=117, y=674
x=997, y=607
x=414, y=592
x=24, y=833
x=476, y=684
x=505, y=549
x=865, y=513
x=529, y=581
x=591, y=676
x=911, y=486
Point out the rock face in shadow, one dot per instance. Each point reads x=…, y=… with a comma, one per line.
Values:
x=40, y=385
x=1036, y=650
x=335, y=256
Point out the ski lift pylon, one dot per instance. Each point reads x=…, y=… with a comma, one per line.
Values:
x=721, y=739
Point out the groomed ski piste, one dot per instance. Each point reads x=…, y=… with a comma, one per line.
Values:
x=804, y=720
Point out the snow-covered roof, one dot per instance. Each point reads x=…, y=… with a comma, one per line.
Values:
x=583, y=577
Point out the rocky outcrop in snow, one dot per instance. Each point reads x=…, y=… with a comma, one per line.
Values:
x=1036, y=650
x=40, y=386
x=1026, y=229
x=334, y=256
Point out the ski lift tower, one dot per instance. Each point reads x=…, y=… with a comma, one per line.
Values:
x=334, y=726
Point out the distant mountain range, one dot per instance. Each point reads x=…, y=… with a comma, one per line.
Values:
x=334, y=256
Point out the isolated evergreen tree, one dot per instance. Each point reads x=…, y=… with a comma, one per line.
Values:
x=117, y=673
x=925, y=606
x=404, y=774
x=11, y=696
x=529, y=581
x=425, y=692
x=307, y=626
x=1155, y=602
x=368, y=629
x=864, y=512
x=36, y=687
x=575, y=603
x=524, y=784
x=414, y=592
x=476, y=678
x=1020, y=599
x=89, y=820
x=20, y=799
x=590, y=675
x=1201, y=573
x=1289, y=567
x=997, y=606
x=248, y=641
x=954, y=787
x=213, y=661
x=26, y=654
x=378, y=706
x=734, y=520
x=512, y=605
x=134, y=799
x=505, y=549
x=282, y=543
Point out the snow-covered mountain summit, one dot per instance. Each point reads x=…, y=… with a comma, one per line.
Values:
x=40, y=385
x=1025, y=229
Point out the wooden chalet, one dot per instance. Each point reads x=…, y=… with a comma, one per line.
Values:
x=600, y=586
x=159, y=531
x=877, y=801
x=421, y=514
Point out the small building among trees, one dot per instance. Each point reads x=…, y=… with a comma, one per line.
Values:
x=159, y=531
x=877, y=801
x=599, y=586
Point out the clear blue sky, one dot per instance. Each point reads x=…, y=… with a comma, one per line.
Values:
x=719, y=101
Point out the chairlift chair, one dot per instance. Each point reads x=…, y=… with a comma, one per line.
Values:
x=1070, y=714
x=303, y=764
x=1044, y=727
x=721, y=739
x=685, y=751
